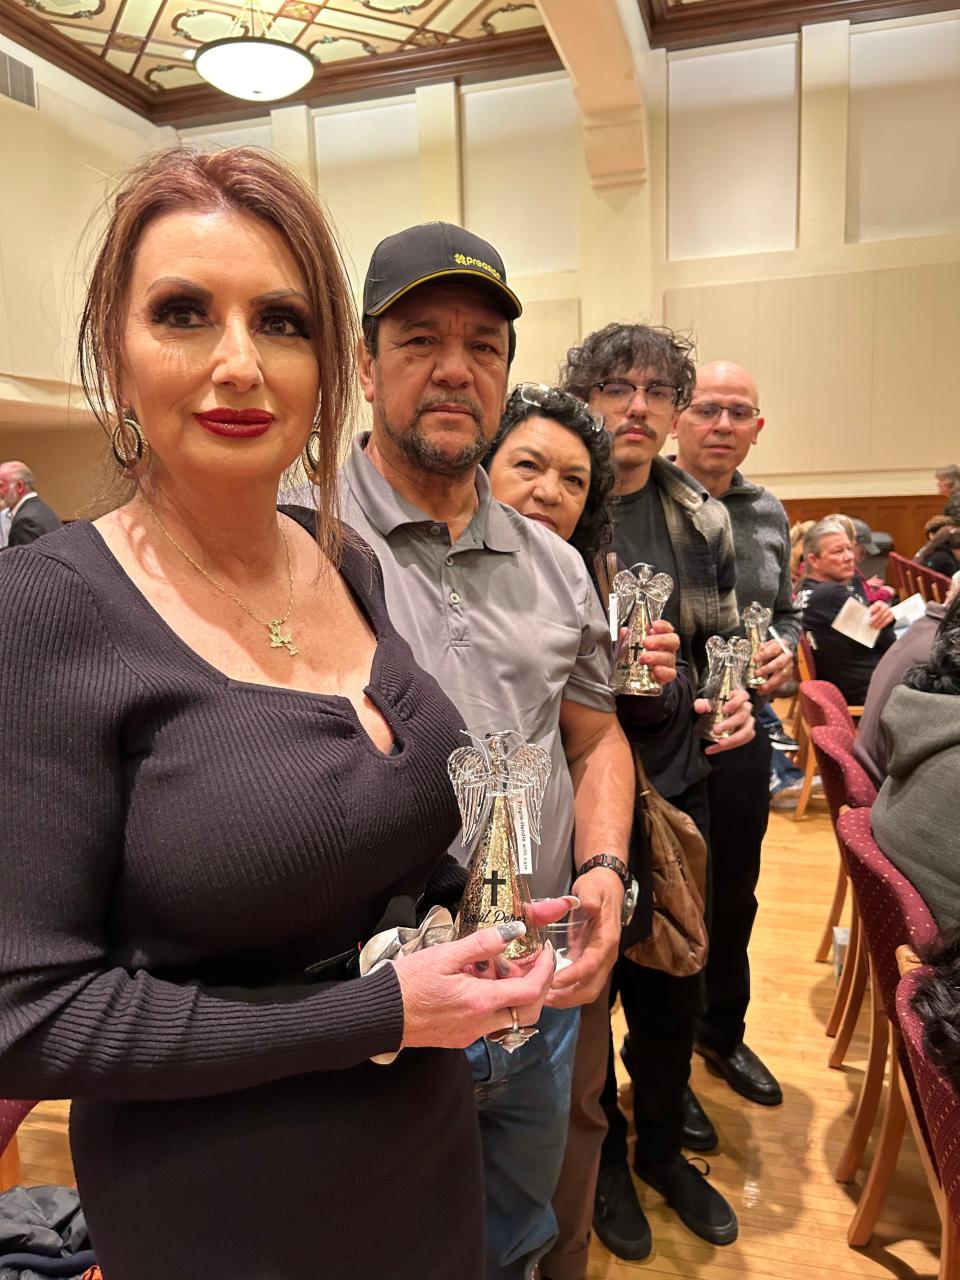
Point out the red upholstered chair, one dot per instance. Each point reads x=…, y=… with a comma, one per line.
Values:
x=824, y=704
x=12, y=1112
x=937, y=1129
x=846, y=785
x=891, y=913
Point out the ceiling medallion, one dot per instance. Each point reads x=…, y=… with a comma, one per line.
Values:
x=252, y=64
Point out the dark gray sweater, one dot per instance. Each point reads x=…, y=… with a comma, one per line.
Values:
x=177, y=847
x=761, y=538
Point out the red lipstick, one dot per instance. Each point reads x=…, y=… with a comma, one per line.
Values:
x=239, y=423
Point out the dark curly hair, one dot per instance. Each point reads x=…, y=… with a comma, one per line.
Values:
x=610, y=352
x=941, y=674
x=937, y=1003
x=594, y=529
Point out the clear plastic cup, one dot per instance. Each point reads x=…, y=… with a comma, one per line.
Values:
x=568, y=936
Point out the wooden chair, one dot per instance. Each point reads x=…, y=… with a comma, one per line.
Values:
x=891, y=913
x=824, y=705
x=12, y=1112
x=932, y=1106
x=846, y=785
x=912, y=577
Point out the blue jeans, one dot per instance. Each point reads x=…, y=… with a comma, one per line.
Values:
x=523, y=1102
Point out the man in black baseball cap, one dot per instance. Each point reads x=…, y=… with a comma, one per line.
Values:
x=501, y=611
x=434, y=251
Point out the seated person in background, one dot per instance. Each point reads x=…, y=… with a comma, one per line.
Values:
x=911, y=649
x=914, y=817
x=942, y=549
x=948, y=479
x=829, y=584
x=937, y=1001
x=861, y=539
x=798, y=532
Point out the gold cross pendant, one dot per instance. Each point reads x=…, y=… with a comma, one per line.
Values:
x=281, y=639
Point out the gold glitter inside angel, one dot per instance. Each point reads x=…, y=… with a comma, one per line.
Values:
x=499, y=784
x=637, y=600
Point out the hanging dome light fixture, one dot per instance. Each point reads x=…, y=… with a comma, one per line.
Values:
x=251, y=64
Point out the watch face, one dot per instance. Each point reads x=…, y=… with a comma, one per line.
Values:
x=630, y=899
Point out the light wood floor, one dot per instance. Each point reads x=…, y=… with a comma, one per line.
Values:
x=775, y=1165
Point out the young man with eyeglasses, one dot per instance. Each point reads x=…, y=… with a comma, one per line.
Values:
x=714, y=434
x=636, y=377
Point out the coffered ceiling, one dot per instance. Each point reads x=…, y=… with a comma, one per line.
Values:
x=140, y=52
x=685, y=24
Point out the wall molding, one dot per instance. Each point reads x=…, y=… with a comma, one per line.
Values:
x=687, y=26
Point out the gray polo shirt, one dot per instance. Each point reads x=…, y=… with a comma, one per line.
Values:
x=506, y=619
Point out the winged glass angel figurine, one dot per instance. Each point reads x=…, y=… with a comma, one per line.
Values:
x=639, y=595
x=726, y=661
x=756, y=620
x=499, y=784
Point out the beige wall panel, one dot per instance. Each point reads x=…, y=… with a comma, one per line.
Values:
x=904, y=156
x=722, y=321
x=368, y=176
x=520, y=145
x=783, y=369
x=903, y=370
x=733, y=137
x=841, y=369
x=31, y=296
x=70, y=465
x=943, y=328
x=544, y=333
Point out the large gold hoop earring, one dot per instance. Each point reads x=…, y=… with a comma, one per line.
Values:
x=126, y=428
x=311, y=455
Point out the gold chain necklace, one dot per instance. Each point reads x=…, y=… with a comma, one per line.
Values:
x=279, y=639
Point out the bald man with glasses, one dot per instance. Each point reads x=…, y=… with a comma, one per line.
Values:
x=714, y=434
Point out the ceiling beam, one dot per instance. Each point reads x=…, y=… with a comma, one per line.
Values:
x=377, y=76
x=599, y=60
x=689, y=26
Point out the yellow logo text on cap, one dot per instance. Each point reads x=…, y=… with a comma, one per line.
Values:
x=462, y=260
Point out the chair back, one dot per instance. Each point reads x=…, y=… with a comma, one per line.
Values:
x=806, y=666
x=912, y=577
x=12, y=1112
x=846, y=784
x=891, y=910
x=938, y=1099
x=824, y=704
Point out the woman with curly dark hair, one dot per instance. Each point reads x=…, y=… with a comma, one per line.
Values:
x=562, y=478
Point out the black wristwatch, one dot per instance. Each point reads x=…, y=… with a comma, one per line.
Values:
x=631, y=889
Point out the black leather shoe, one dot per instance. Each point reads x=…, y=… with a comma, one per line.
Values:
x=698, y=1205
x=618, y=1219
x=744, y=1072
x=698, y=1132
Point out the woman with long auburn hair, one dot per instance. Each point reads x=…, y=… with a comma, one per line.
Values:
x=224, y=773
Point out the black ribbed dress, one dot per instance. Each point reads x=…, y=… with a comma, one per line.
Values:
x=162, y=821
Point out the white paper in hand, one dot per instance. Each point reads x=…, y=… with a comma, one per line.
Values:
x=909, y=610
x=853, y=621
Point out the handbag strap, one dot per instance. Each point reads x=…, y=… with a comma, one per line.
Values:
x=605, y=569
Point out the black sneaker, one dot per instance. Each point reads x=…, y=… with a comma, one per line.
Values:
x=780, y=740
x=618, y=1219
x=698, y=1205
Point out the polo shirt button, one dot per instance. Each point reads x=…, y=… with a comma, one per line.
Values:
x=435, y=529
x=454, y=597
x=449, y=561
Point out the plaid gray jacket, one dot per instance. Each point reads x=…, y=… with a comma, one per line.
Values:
x=699, y=528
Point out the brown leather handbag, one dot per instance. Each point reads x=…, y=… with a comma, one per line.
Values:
x=677, y=943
